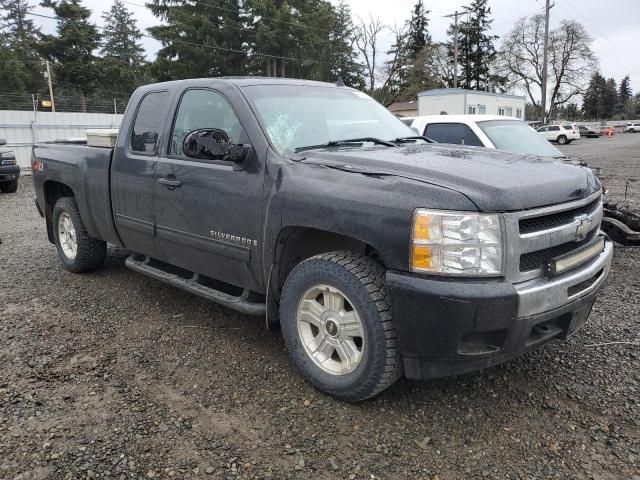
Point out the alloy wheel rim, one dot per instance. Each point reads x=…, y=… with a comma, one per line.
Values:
x=67, y=236
x=330, y=330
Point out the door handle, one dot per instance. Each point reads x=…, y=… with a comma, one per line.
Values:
x=170, y=182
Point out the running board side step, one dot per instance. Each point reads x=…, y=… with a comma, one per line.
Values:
x=238, y=303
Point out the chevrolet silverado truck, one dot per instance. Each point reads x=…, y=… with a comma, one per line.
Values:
x=375, y=251
x=9, y=170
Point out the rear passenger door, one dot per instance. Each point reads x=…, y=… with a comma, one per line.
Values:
x=456, y=133
x=211, y=222
x=133, y=175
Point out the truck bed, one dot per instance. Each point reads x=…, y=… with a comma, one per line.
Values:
x=86, y=171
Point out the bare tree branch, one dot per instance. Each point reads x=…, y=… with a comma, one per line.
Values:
x=571, y=60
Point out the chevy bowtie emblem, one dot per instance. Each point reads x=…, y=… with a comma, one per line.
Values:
x=584, y=227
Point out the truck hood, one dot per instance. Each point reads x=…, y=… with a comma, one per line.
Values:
x=492, y=179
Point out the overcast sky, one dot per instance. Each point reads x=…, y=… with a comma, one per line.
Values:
x=613, y=24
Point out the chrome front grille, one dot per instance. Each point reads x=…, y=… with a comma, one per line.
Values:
x=535, y=236
x=545, y=222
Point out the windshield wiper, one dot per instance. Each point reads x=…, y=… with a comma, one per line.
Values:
x=412, y=139
x=354, y=142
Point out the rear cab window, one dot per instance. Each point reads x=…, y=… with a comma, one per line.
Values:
x=455, y=133
x=148, y=123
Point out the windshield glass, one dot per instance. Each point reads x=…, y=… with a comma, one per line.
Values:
x=295, y=116
x=516, y=136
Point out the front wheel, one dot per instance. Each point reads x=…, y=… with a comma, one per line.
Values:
x=562, y=140
x=337, y=325
x=77, y=250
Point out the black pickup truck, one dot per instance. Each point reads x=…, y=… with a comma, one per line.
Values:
x=375, y=251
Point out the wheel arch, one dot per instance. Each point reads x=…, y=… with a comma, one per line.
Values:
x=53, y=191
x=297, y=243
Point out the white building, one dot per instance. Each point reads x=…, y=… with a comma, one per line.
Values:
x=458, y=101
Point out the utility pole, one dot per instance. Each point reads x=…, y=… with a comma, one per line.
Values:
x=543, y=100
x=455, y=16
x=53, y=103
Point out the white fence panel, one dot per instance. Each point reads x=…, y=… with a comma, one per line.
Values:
x=21, y=129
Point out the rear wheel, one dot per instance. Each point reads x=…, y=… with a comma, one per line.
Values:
x=562, y=140
x=9, y=187
x=77, y=250
x=337, y=325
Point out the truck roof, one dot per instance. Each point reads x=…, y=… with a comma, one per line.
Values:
x=238, y=81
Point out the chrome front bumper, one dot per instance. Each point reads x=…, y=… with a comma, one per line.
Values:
x=543, y=294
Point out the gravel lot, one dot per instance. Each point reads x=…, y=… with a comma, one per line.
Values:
x=113, y=375
x=619, y=160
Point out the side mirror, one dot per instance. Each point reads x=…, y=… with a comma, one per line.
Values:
x=3, y=141
x=214, y=144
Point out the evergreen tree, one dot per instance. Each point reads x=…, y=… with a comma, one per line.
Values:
x=476, y=50
x=418, y=35
x=122, y=63
x=346, y=64
x=198, y=39
x=593, y=104
x=294, y=38
x=610, y=98
x=71, y=50
x=412, y=58
x=624, y=92
x=624, y=96
x=21, y=65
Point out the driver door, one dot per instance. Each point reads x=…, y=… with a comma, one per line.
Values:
x=208, y=215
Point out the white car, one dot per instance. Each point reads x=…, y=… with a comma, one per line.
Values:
x=561, y=134
x=632, y=127
x=491, y=131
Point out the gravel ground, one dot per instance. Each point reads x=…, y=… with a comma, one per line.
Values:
x=113, y=375
x=618, y=158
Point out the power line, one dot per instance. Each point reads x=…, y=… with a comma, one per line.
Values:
x=242, y=29
x=270, y=19
x=613, y=50
x=211, y=47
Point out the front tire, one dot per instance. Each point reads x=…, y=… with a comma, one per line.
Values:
x=78, y=251
x=9, y=187
x=562, y=140
x=337, y=325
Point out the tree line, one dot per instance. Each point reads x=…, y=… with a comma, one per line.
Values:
x=312, y=39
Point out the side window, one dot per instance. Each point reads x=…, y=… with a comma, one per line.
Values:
x=554, y=128
x=203, y=109
x=148, y=122
x=456, y=133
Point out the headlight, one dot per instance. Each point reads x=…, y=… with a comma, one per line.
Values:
x=456, y=243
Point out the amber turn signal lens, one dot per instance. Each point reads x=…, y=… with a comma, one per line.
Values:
x=422, y=227
x=421, y=258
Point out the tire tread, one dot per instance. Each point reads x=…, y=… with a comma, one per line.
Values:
x=371, y=275
x=91, y=251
